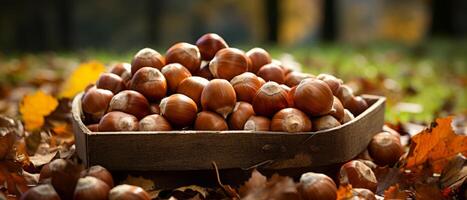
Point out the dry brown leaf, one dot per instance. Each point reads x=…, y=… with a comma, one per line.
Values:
x=39, y=159
x=199, y=190
x=34, y=107
x=10, y=178
x=277, y=187
x=394, y=192
x=386, y=177
x=31, y=179
x=435, y=145
x=62, y=133
x=22, y=155
x=428, y=192
x=256, y=182
x=455, y=173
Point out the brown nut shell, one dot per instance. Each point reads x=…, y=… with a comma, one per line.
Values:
x=269, y=99
x=290, y=120
x=40, y=192
x=337, y=110
x=64, y=176
x=179, y=110
x=154, y=122
x=272, y=72
x=385, y=149
x=174, y=73
x=101, y=173
x=96, y=101
x=294, y=78
x=123, y=70
x=219, y=96
x=246, y=85
x=257, y=123
x=149, y=82
x=147, y=57
x=118, y=121
x=209, y=44
x=333, y=82
x=186, y=54
x=325, y=122
x=241, y=113
x=362, y=194
x=228, y=63
x=356, y=105
x=204, y=71
x=358, y=174
x=193, y=87
x=345, y=94
x=91, y=188
x=210, y=121
x=317, y=186
x=128, y=192
x=110, y=82
x=313, y=97
x=348, y=116
x=130, y=102
x=259, y=57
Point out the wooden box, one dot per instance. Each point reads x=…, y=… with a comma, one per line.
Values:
x=196, y=150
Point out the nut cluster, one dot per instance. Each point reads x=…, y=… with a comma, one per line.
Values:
x=64, y=179
x=212, y=86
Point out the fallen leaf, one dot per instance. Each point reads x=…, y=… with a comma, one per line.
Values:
x=386, y=177
x=428, y=191
x=277, y=187
x=10, y=178
x=344, y=192
x=62, y=132
x=256, y=182
x=34, y=107
x=85, y=74
x=435, y=145
x=22, y=155
x=31, y=179
x=199, y=190
x=66, y=152
x=455, y=173
x=41, y=159
x=394, y=192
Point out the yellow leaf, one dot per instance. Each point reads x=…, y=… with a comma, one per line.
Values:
x=34, y=107
x=85, y=74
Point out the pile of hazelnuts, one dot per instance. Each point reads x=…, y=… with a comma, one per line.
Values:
x=63, y=179
x=211, y=86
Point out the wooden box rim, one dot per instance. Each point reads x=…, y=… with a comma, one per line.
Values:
x=87, y=143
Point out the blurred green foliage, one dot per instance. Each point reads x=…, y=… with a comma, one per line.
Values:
x=432, y=75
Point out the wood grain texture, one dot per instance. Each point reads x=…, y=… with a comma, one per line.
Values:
x=196, y=150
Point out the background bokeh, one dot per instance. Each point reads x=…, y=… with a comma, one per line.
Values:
x=70, y=25
x=412, y=51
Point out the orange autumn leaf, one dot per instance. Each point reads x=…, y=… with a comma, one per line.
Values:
x=344, y=192
x=85, y=74
x=34, y=107
x=394, y=192
x=62, y=133
x=62, y=129
x=22, y=153
x=435, y=145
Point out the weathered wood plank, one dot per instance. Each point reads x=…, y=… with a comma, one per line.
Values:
x=195, y=150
